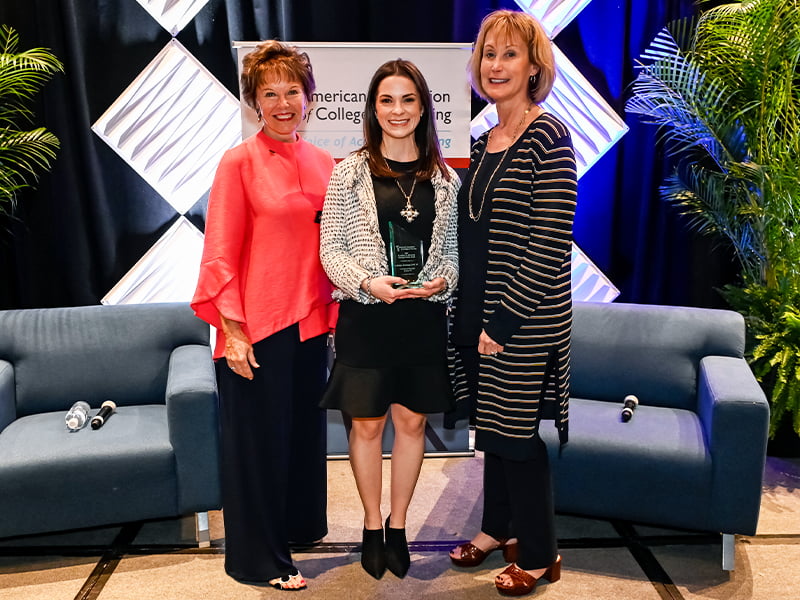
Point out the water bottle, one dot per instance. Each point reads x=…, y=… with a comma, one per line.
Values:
x=77, y=416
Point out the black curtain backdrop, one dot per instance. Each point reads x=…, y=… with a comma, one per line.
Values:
x=92, y=217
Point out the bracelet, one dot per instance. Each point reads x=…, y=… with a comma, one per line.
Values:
x=369, y=287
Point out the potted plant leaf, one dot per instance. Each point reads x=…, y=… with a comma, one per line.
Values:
x=23, y=152
x=724, y=90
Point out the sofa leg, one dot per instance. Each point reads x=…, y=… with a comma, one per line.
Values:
x=728, y=551
x=202, y=534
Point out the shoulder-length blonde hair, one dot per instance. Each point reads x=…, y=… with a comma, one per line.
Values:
x=509, y=24
x=272, y=59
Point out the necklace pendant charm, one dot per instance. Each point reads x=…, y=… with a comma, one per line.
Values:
x=409, y=212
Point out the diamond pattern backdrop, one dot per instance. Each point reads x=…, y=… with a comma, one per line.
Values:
x=175, y=120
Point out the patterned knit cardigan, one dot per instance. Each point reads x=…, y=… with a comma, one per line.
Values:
x=351, y=246
x=527, y=303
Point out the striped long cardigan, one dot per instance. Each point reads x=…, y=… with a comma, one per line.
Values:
x=527, y=304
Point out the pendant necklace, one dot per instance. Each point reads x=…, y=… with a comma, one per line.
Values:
x=472, y=214
x=409, y=212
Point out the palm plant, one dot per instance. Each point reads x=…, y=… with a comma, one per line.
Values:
x=23, y=153
x=724, y=90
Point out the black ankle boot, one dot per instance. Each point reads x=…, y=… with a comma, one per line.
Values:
x=373, y=552
x=397, y=558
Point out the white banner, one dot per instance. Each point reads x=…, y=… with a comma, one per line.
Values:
x=343, y=72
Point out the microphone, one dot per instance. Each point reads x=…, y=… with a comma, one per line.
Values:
x=629, y=405
x=105, y=411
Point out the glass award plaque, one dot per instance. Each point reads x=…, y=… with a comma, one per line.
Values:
x=406, y=255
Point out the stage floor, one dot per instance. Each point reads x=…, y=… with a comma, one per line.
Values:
x=602, y=560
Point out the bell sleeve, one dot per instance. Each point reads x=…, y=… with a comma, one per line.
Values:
x=226, y=236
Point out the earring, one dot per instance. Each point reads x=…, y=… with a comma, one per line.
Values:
x=533, y=82
x=258, y=113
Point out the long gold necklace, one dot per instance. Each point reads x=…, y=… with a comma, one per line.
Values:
x=472, y=215
x=409, y=212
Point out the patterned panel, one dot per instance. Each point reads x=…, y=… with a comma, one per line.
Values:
x=172, y=125
x=554, y=15
x=588, y=282
x=173, y=15
x=167, y=272
x=595, y=126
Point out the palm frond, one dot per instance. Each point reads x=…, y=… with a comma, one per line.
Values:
x=666, y=44
x=23, y=154
x=724, y=90
x=27, y=150
x=719, y=204
x=690, y=107
x=756, y=45
x=682, y=32
x=22, y=74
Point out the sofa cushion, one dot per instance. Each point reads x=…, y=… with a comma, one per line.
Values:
x=60, y=354
x=626, y=470
x=121, y=472
x=650, y=351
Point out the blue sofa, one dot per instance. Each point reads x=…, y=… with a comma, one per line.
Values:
x=156, y=457
x=692, y=456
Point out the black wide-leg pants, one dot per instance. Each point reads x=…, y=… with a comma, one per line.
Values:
x=522, y=490
x=517, y=494
x=274, y=483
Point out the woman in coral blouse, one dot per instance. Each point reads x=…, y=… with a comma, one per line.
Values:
x=262, y=286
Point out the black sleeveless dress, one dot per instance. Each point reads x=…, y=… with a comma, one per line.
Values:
x=392, y=353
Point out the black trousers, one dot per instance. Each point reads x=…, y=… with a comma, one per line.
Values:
x=518, y=502
x=274, y=483
x=517, y=494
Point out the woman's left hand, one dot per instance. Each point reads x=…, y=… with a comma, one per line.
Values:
x=239, y=352
x=435, y=286
x=487, y=345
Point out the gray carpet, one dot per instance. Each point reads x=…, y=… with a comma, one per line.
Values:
x=601, y=559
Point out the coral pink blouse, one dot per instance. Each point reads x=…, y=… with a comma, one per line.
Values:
x=260, y=262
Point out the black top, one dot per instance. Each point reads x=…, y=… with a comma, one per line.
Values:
x=390, y=201
x=393, y=353
x=473, y=249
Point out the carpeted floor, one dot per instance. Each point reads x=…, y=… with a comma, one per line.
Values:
x=601, y=560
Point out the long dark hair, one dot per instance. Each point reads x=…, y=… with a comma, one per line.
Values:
x=425, y=136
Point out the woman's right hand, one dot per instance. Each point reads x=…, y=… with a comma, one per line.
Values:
x=238, y=350
x=381, y=288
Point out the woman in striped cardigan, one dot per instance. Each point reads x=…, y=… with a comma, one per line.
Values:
x=514, y=310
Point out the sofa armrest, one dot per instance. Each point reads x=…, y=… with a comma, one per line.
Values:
x=192, y=413
x=8, y=406
x=735, y=416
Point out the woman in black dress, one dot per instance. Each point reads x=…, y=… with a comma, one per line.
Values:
x=392, y=333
